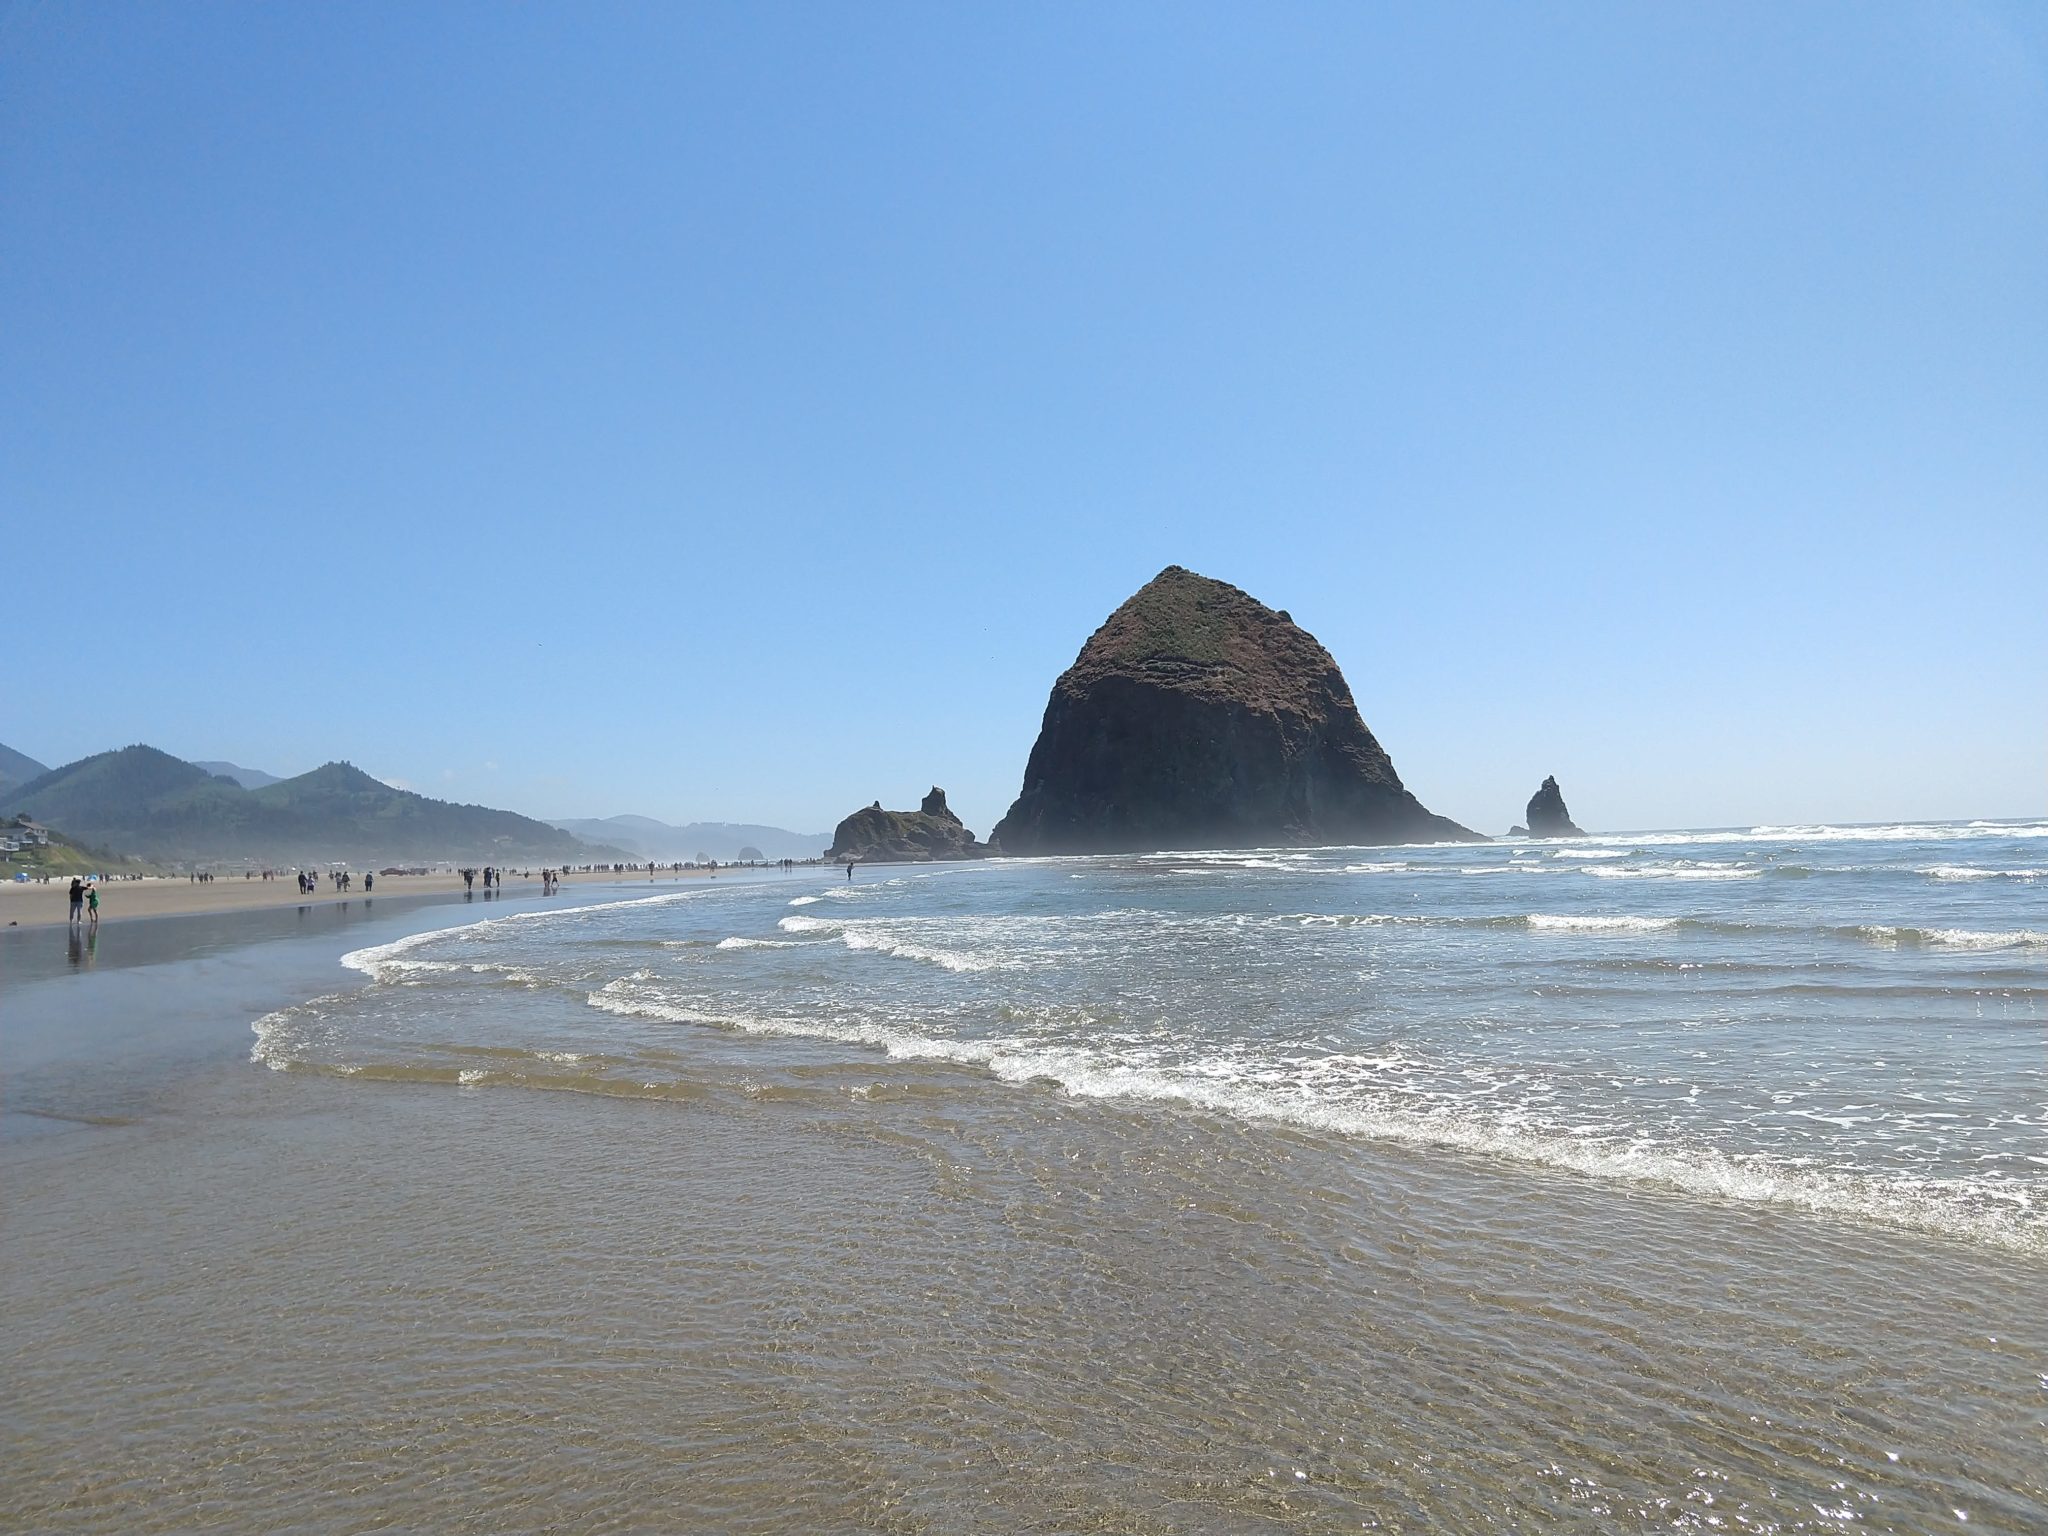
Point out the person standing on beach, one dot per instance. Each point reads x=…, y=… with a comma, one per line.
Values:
x=77, y=898
x=92, y=905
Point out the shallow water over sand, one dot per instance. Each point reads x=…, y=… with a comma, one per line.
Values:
x=826, y=1277
x=1848, y=1021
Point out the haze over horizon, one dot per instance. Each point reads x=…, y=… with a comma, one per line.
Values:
x=744, y=415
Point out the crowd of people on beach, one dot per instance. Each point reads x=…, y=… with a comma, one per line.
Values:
x=85, y=889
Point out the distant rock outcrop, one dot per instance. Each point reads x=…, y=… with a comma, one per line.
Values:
x=931, y=832
x=697, y=841
x=1197, y=717
x=1547, y=815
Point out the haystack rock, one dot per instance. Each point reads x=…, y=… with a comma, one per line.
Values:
x=1197, y=717
x=931, y=832
x=1547, y=816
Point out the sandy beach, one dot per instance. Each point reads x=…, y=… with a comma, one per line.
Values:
x=743, y=1281
x=35, y=905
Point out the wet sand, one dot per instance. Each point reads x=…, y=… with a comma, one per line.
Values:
x=34, y=904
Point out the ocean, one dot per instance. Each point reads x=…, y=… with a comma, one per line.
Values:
x=1843, y=1020
x=1674, y=1181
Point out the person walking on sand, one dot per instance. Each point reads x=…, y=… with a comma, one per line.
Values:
x=77, y=898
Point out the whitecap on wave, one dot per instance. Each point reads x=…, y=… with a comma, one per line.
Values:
x=1893, y=935
x=1977, y=872
x=1544, y=922
x=892, y=939
x=1677, y=869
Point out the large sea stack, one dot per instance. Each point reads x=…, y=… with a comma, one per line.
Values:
x=931, y=832
x=1547, y=816
x=1197, y=717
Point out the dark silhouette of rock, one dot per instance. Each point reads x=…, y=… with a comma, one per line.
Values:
x=1197, y=717
x=931, y=832
x=1547, y=815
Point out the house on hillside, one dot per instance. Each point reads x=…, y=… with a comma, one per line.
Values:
x=22, y=833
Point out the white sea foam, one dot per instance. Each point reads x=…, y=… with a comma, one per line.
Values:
x=931, y=954
x=1977, y=872
x=1821, y=832
x=1679, y=869
x=1218, y=1085
x=1343, y=919
x=889, y=939
x=276, y=1040
x=801, y=924
x=1902, y=832
x=377, y=960
x=1894, y=936
x=1544, y=922
x=636, y=997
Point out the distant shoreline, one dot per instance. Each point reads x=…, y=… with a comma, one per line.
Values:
x=37, y=905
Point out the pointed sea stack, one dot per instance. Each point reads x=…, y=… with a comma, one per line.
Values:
x=1547, y=816
x=1197, y=717
x=931, y=832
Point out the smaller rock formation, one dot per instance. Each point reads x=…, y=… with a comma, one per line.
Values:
x=1547, y=815
x=929, y=833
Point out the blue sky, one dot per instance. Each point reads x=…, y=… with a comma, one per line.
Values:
x=745, y=412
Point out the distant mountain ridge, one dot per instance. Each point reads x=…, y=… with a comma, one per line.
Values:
x=17, y=768
x=721, y=840
x=146, y=803
x=248, y=778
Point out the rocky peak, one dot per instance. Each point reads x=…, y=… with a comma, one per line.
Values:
x=1197, y=716
x=1547, y=815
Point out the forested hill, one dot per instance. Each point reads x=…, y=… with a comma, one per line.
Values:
x=148, y=804
x=16, y=768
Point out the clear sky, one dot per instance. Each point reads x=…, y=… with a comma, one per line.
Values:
x=744, y=412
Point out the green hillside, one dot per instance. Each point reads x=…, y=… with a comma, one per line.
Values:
x=148, y=804
x=17, y=768
x=58, y=856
